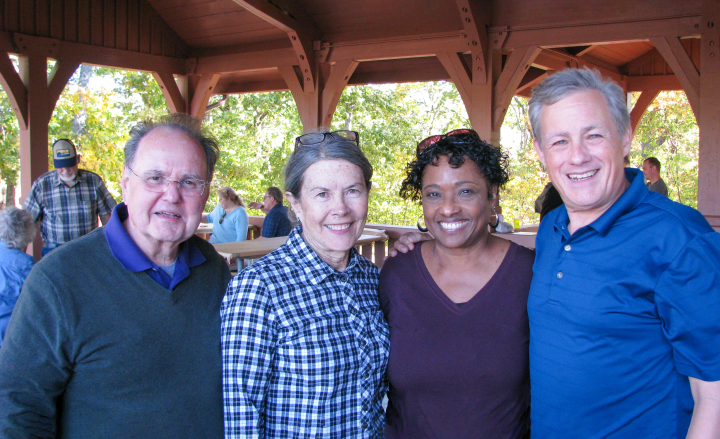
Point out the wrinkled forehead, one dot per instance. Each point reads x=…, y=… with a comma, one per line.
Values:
x=172, y=144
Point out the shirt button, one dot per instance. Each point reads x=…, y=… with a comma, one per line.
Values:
x=362, y=342
x=559, y=275
x=364, y=425
x=366, y=375
x=567, y=248
x=366, y=406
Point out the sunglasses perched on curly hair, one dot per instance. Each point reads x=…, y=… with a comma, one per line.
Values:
x=432, y=140
x=318, y=138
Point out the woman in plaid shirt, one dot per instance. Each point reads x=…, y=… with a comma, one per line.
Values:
x=305, y=345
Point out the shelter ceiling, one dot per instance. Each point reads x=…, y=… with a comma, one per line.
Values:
x=249, y=42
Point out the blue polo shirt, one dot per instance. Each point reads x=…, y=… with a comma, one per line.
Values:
x=621, y=313
x=133, y=259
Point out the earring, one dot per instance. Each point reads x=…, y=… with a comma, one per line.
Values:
x=497, y=219
x=421, y=228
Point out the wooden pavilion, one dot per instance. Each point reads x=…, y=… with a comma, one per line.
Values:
x=490, y=49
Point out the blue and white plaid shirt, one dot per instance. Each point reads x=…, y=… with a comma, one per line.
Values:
x=68, y=212
x=305, y=348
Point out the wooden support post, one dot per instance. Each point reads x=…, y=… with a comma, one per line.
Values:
x=317, y=105
x=709, y=115
x=34, y=96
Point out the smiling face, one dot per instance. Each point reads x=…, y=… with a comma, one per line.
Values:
x=69, y=173
x=159, y=221
x=332, y=208
x=583, y=153
x=456, y=204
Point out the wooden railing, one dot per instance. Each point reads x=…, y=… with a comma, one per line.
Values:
x=377, y=251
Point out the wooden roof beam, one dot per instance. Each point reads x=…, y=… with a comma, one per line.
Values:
x=681, y=64
x=96, y=55
x=553, y=60
x=300, y=29
x=652, y=82
x=475, y=16
x=507, y=84
x=576, y=35
x=428, y=45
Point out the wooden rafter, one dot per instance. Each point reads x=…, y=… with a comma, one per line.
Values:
x=574, y=35
x=336, y=83
x=201, y=94
x=171, y=92
x=679, y=61
x=507, y=84
x=549, y=59
x=299, y=28
x=474, y=16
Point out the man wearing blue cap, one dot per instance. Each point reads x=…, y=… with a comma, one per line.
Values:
x=67, y=201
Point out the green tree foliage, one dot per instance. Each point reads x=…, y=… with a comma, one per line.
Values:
x=257, y=133
x=527, y=175
x=9, y=148
x=668, y=131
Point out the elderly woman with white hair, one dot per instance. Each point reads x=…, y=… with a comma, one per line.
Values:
x=305, y=345
x=17, y=230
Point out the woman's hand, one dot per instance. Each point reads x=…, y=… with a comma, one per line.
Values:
x=407, y=242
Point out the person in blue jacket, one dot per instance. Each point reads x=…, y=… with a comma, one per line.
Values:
x=17, y=230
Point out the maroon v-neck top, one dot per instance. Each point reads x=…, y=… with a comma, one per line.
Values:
x=457, y=370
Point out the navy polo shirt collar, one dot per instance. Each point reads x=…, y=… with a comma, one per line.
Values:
x=133, y=259
x=629, y=200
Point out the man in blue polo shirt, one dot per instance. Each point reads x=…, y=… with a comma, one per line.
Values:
x=625, y=298
x=117, y=333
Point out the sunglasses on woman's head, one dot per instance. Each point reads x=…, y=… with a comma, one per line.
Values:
x=432, y=140
x=310, y=139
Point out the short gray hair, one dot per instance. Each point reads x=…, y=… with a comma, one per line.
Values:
x=330, y=149
x=569, y=81
x=17, y=228
x=184, y=123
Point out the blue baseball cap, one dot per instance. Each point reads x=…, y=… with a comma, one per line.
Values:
x=64, y=154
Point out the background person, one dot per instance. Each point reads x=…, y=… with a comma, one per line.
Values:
x=456, y=305
x=229, y=218
x=304, y=342
x=277, y=221
x=67, y=201
x=17, y=230
x=116, y=334
x=651, y=170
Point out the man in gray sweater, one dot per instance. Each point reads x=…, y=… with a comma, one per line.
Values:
x=117, y=334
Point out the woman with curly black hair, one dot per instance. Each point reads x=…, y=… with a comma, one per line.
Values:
x=456, y=305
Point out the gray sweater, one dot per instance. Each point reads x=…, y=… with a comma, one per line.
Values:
x=96, y=351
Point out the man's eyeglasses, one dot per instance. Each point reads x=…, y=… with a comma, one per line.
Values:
x=432, y=140
x=318, y=138
x=158, y=183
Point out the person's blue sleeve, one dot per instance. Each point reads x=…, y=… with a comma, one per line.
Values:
x=241, y=224
x=687, y=297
